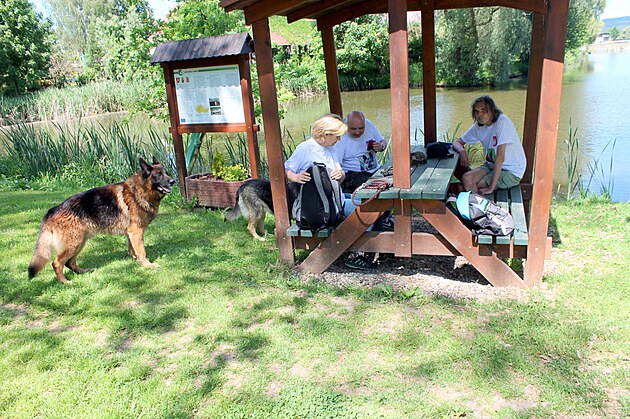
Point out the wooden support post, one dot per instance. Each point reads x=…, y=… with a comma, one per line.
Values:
x=532, y=104
x=399, y=72
x=332, y=75
x=428, y=72
x=248, y=107
x=273, y=136
x=402, y=228
x=555, y=27
x=178, y=144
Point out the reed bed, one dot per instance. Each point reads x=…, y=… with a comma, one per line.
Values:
x=81, y=152
x=71, y=102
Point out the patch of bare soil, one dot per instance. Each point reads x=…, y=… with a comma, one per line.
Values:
x=446, y=276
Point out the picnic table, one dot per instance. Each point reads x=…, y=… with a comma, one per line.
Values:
x=426, y=196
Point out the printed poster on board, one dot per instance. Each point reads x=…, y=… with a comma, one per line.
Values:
x=209, y=95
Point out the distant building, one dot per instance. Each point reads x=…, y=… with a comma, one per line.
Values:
x=602, y=37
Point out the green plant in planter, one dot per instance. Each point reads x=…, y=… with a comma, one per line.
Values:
x=233, y=173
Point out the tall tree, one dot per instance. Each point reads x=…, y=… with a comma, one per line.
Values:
x=457, y=53
x=584, y=22
x=504, y=42
x=201, y=18
x=78, y=20
x=125, y=43
x=363, y=51
x=25, y=44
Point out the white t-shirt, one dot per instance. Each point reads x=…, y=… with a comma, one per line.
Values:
x=501, y=132
x=353, y=152
x=309, y=152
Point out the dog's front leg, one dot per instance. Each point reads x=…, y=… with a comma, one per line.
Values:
x=136, y=241
x=130, y=250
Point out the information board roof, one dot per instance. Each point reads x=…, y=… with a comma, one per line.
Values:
x=199, y=48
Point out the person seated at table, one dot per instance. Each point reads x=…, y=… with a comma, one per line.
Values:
x=325, y=133
x=358, y=150
x=505, y=158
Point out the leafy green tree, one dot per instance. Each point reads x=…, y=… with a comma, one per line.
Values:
x=201, y=18
x=457, y=40
x=363, y=52
x=125, y=42
x=614, y=32
x=78, y=24
x=25, y=44
x=584, y=22
x=505, y=38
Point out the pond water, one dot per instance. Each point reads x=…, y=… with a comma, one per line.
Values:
x=595, y=102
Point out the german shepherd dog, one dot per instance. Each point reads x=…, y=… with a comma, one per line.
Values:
x=253, y=201
x=120, y=208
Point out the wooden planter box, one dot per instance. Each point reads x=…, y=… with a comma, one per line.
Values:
x=212, y=192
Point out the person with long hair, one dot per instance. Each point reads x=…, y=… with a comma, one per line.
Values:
x=505, y=160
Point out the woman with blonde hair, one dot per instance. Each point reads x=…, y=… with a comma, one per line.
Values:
x=325, y=133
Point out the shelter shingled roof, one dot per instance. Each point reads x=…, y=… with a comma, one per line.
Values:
x=199, y=48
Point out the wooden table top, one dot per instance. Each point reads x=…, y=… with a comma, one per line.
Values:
x=428, y=181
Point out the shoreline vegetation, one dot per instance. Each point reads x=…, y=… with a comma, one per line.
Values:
x=622, y=45
x=83, y=153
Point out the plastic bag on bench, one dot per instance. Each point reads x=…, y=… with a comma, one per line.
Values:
x=481, y=215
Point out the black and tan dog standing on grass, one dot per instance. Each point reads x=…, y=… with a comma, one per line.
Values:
x=253, y=202
x=120, y=208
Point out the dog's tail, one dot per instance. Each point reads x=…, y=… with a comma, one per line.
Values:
x=42, y=252
x=236, y=211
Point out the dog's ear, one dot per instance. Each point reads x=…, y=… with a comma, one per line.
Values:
x=155, y=161
x=145, y=168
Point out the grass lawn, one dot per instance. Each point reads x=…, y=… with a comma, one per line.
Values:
x=223, y=329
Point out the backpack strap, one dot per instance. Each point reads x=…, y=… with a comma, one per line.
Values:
x=337, y=197
x=320, y=187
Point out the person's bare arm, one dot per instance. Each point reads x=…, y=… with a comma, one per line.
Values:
x=301, y=177
x=464, y=159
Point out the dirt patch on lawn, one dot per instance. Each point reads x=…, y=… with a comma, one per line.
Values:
x=446, y=276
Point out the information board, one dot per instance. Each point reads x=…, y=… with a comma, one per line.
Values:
x=209, y=95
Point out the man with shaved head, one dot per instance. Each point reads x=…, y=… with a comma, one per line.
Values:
x=358, y=150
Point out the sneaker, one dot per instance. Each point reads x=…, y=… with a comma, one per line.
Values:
x=388, y=223
x=361, y=263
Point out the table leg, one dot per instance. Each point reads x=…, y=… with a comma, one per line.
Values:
x=344, y=236
x=452, y=229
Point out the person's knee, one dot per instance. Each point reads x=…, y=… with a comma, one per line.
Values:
x=468, y=181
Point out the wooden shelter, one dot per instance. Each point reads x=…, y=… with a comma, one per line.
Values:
x=539, y=136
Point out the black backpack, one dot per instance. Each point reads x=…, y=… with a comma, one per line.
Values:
x=481, y=215
x=318, y=204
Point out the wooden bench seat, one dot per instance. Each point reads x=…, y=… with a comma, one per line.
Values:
x=295, y=231
x=512, y=201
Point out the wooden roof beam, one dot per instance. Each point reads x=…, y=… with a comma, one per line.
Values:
x=230, y=5
x=313, y=9
x=365, y=8
x=538, y=6
x=263, y=9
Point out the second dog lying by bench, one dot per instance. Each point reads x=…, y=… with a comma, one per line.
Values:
x=253, y=202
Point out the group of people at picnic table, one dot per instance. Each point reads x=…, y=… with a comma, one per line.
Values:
x=349, y=148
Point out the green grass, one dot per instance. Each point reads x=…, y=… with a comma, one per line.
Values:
x=223, y=329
